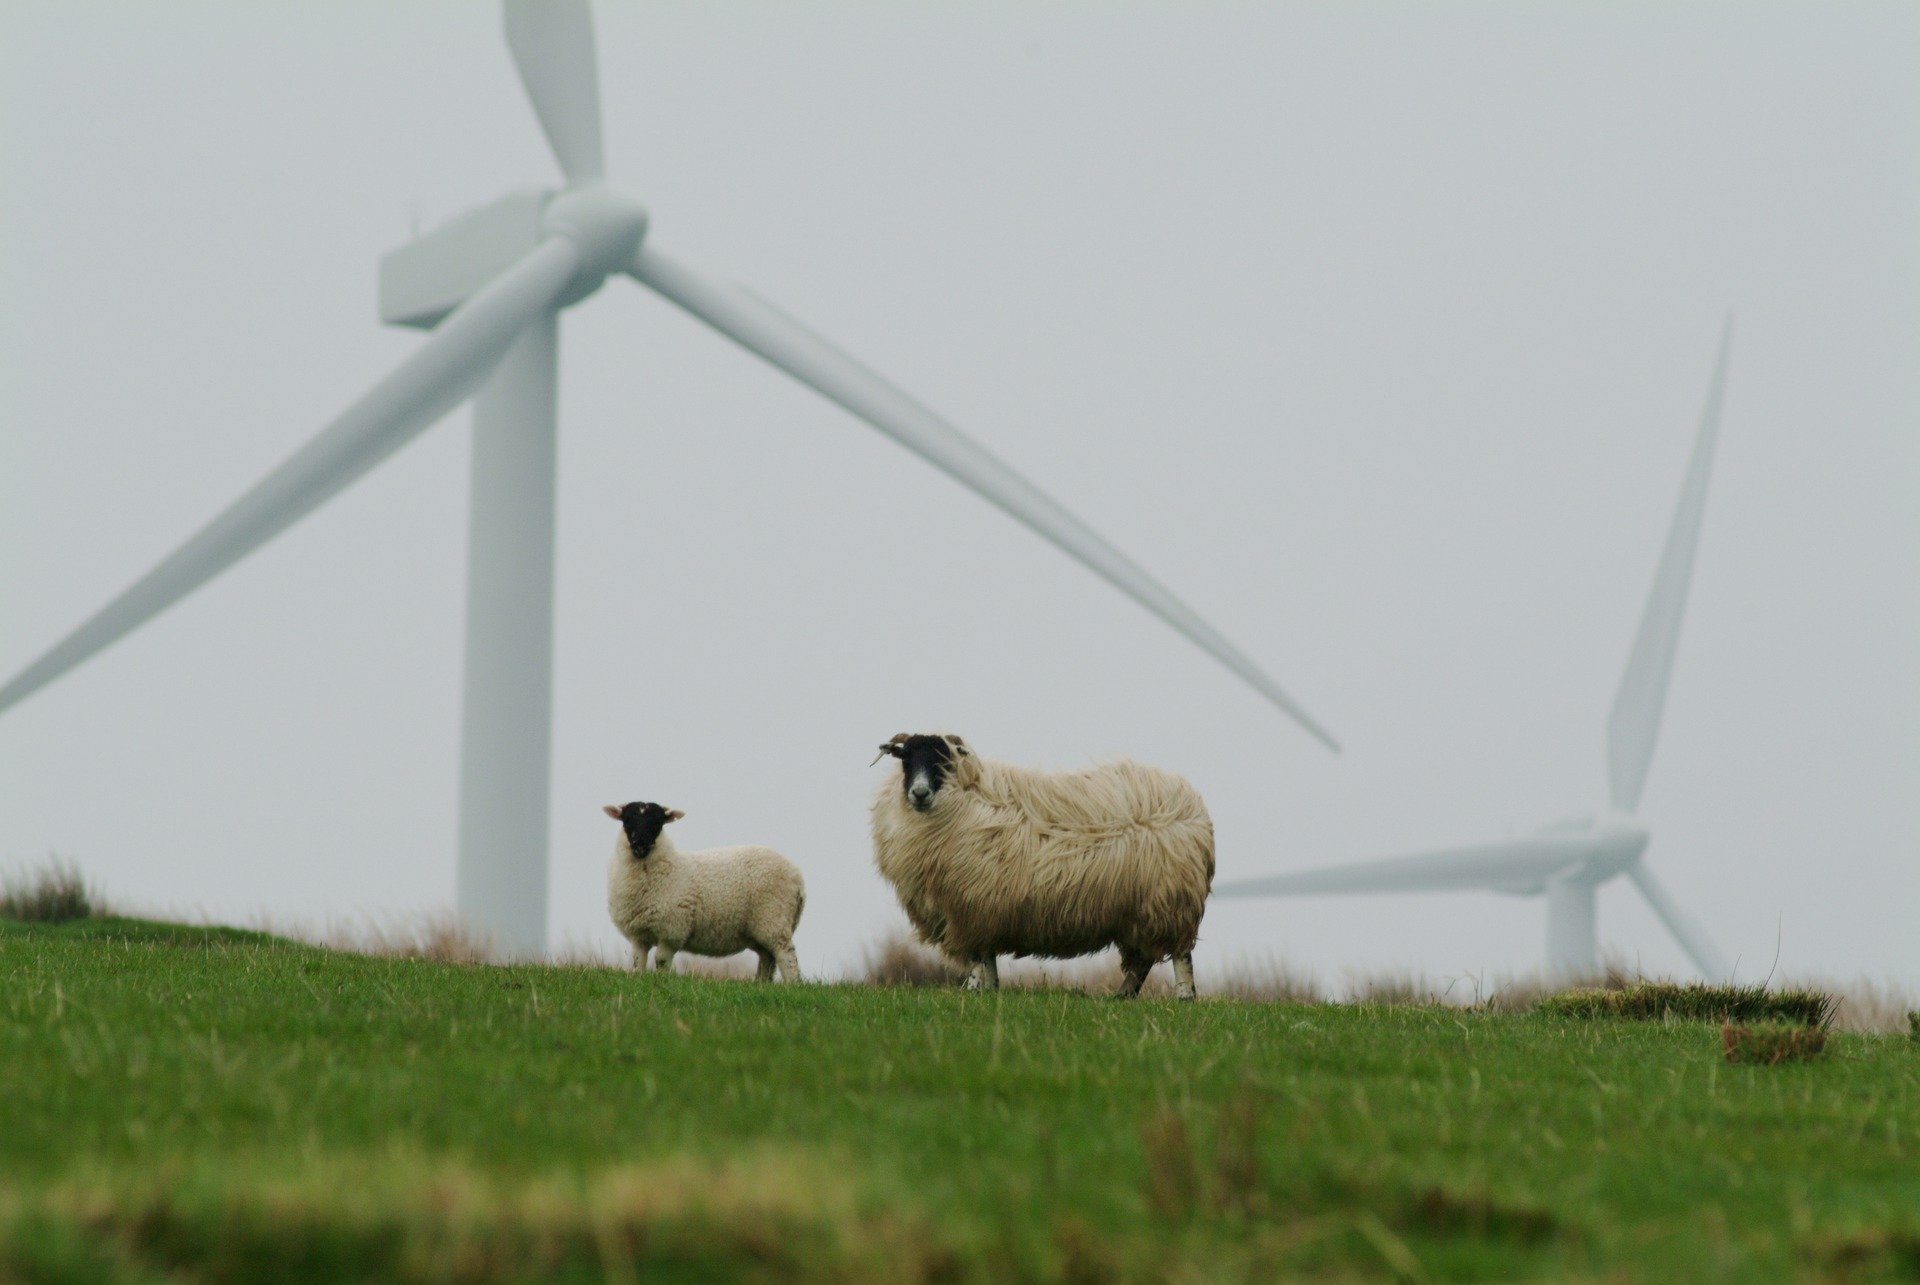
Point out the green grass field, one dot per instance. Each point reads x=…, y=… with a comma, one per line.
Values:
x=206, y=1103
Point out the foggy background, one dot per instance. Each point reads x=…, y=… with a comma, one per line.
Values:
x=1378, y=332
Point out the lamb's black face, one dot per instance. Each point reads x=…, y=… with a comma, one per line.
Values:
x=925, y=764
x=643, y=823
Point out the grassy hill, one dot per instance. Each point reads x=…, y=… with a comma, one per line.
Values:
x=219, y=1105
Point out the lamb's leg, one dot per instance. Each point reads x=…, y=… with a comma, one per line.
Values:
x=663, y=959
x=765, y=971
x=1134, y=969
x=789, y=963
x=1183, y=976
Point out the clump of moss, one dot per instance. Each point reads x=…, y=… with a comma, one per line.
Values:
x=1696, y=1002
x=1771, y=1043
x=53, y=894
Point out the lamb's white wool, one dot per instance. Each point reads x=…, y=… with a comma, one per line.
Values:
x=718, y=901
x=989, y=858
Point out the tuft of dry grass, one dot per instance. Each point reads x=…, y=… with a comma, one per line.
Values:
x=1085, y=1256
x=1877, y=1254
x=1094, y=975
x=764, y=1216
x=1695, y=1001
x=431, y=935
x=1860, y=1005
x=1178, y=1186
x=1173, y=1178
x=440, y=936
x=732, y=968
x=1523, y=994
x=1440, y=1210
x=1770, y=1043
x=1617, y=990
x=1395, y=989
x=1269, y=980
x=1865, y=1004
x=1236, y=1154
x=51, y=894
x=901, y=961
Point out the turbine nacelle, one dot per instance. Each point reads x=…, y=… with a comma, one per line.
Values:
x=1621, y=839
x=431, y=275
x=1618, y=842
x=1611, y=843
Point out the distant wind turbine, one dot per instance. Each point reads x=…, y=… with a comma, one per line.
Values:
x=491, y=284
x=1568, y=862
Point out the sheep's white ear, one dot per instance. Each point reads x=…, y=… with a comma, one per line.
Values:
x=675, y=815
x=612, y=810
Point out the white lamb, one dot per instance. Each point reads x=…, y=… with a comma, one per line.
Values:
x=719, y=901
x=989, y=858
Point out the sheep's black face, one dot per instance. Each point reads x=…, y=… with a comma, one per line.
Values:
x=643, y=823
x=925, y=764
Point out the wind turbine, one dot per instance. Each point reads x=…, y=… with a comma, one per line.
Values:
x=490, y=285
x=1567, y=863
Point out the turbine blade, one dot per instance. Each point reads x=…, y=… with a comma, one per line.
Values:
x=1634, y=724
x=1504, y=865
x=552, y=46
x=437, y=377
x=1686, y=930
x=764, y=330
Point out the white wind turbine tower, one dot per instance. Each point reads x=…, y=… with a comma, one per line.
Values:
x=1568, y=862
x=490, y=285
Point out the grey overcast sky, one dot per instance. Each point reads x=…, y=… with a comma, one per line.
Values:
x=1377, y=331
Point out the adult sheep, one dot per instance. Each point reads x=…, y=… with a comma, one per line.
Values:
x=992, y=859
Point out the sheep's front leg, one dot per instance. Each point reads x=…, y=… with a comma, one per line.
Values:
x=765, y=971
x=663, y=959
x=1133, y=973
x=1183, y=976
x=984, y=975
x=640, y=950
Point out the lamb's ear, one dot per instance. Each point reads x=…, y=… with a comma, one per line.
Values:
x=613, y=810
x=675, y=815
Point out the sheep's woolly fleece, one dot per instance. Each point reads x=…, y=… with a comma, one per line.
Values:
x=1012, y=860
